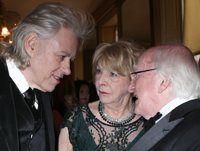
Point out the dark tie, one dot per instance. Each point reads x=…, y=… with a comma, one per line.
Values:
x=148, y=124
x=29, y=96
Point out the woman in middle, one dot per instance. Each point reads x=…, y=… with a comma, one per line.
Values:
x=109, y=124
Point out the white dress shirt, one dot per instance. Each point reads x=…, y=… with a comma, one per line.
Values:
x=18, y=77
x=172, y=105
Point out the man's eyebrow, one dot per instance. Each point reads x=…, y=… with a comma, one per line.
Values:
x=73, y=58
x=67, y=53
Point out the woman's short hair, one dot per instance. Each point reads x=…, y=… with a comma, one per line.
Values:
x=45, y=20
x=118, y=57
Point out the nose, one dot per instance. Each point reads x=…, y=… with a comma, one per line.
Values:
x=85, y=94
x=102, y=79
x=65, y=67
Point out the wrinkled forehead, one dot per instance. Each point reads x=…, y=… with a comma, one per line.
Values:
x=145, y=60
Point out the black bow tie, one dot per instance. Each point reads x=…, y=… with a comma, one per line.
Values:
x=148, y=124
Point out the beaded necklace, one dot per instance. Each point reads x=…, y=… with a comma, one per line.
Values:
x=115, y=121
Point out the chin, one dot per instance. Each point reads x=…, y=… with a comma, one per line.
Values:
x=49, y=89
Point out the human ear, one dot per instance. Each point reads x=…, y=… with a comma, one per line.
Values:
x=30, y=43
x=131, y=87
x=162, y=85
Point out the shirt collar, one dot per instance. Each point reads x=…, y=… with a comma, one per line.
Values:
x=172, y=105
x=17, y=76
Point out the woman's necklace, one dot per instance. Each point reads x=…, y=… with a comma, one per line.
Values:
x=115, y=121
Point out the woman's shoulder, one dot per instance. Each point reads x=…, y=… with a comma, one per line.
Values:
x=93, y=106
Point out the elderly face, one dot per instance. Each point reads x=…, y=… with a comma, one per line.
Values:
x=50, y=60
x=145, y=89
x=110, y=86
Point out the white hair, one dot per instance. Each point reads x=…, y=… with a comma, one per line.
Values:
x=176, y=63
x=45, y=20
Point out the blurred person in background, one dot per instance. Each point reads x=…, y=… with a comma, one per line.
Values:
x=82, y=91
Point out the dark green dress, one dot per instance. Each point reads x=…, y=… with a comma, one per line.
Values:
x=87, y=133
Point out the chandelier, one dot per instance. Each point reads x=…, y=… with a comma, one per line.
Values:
x=8, y=20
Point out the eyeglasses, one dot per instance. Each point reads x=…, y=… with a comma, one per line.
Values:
x=135, y=73
x=142, y=71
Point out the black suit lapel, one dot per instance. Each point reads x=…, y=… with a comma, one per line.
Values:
x=25, y=119
x=8, y=120
x=157, y=132
x=189, y=112
x=14, y=113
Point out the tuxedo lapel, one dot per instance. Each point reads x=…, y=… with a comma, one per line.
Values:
x=14, y=113
x=25, y=119
x=156, y=133
x=8, y=123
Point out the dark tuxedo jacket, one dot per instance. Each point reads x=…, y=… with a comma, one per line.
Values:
x=16, y=119
x=177, y=131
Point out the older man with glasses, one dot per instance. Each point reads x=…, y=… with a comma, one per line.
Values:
x=167, y=87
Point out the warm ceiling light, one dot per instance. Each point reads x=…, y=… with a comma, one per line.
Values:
x=5, y=31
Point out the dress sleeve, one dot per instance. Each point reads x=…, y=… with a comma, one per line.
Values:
x=69, y=118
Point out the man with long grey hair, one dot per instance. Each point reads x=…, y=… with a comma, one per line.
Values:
x=167, y=86
x=43, y=45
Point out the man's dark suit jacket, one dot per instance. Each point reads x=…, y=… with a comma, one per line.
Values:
x=177, y=131
x=16, y=118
